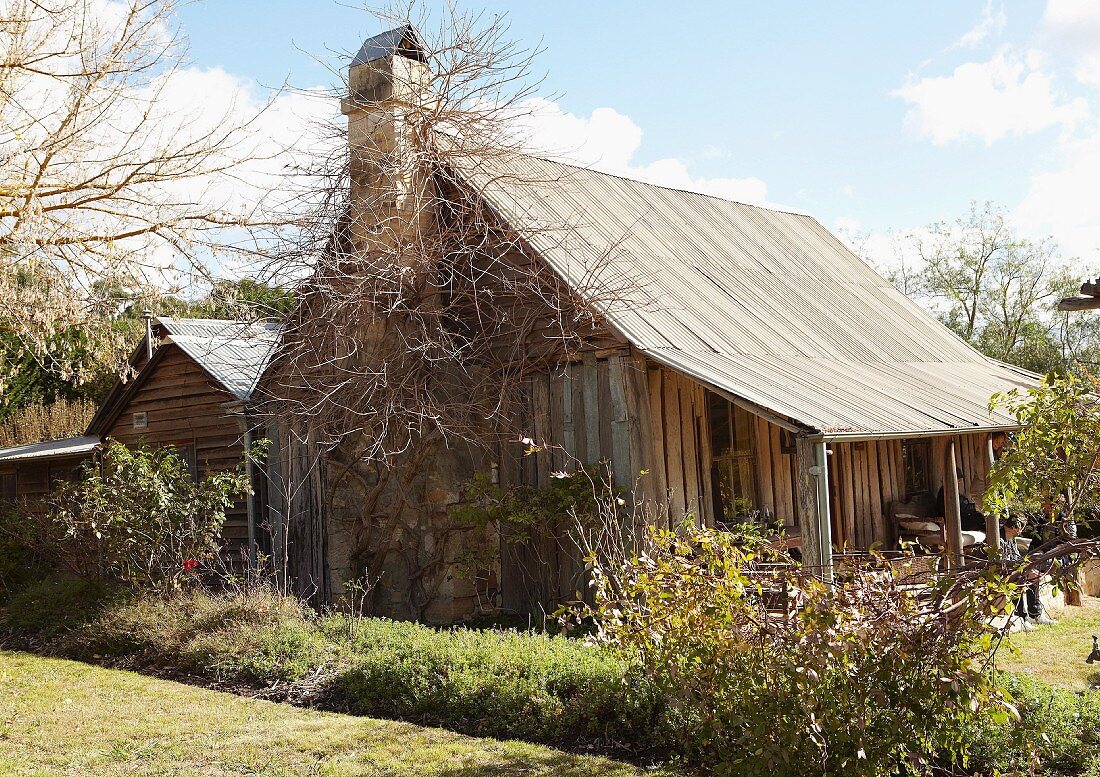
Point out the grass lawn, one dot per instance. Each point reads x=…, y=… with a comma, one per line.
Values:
x=60, y=717
x=1056, y=654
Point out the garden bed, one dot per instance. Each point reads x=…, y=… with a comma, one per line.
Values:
x=498, y=683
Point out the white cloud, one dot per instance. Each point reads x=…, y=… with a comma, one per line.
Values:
x=1011, y=94
x=991, y=23
x=1062, y=201
x=609, y=141
x=1073, y=28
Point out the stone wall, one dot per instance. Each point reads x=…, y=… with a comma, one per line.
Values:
x=393, y=529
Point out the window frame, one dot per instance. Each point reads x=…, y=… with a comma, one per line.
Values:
x=911, y=463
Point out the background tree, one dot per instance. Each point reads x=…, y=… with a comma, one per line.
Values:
x=105, y=182
x=996, y=289
x=1053, y=462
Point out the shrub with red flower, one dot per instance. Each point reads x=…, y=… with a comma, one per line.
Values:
x=190, y=565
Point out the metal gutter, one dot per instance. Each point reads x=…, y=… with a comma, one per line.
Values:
x=912, y=434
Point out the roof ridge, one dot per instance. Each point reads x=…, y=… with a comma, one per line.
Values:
x=776, y=208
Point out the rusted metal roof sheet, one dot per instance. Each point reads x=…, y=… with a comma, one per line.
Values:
x=762, y=303
x=235, y=353
x=51, y=449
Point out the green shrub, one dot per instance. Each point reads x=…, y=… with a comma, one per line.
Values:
x=140, y=517
x=496, y=683
x=1058, y=729
x=54, y=606
x=499, y=683
x=255, y=636
x=861, y=678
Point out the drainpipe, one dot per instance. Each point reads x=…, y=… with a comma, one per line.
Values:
x=249, y=438
x=824, y=519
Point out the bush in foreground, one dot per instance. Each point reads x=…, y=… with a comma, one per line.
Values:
x=866, y=676
x=506, y=684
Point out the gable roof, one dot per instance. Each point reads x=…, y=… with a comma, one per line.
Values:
x=233, y=354
x=763, y=304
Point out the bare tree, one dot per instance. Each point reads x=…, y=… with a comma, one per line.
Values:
x=105, y=180
x=423, y=311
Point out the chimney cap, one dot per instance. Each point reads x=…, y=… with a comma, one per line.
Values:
x=401, y=40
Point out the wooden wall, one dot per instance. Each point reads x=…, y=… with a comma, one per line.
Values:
x=775, y=479
x=33, y=479
x=865, y=477
x=186, y=408
x=634, y=416
x=616, y=408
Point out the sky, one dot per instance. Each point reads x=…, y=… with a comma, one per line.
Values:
x=875, y=117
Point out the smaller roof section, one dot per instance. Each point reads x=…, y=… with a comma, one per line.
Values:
x=51, y=449
x=234, y=353
x=400, y=40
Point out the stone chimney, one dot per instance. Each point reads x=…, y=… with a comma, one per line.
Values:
x=386, y=84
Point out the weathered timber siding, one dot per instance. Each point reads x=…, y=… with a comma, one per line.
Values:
x=775, y=480
x=186, y=408
x=608, y=412
x=865, y=477
x=34, y=479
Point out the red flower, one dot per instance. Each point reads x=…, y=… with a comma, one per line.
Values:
x=189, y=565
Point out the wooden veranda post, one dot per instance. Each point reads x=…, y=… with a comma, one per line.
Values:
x=952, y=513
x=992, y=526
x=813, y=505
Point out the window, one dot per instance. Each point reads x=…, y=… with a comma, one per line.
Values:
x=733, y=471
x=916, y=456
x=7, y=487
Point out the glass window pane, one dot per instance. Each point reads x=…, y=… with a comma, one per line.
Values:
x=719, y=425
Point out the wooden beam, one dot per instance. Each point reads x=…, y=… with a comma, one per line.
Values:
x=952, y=513
x=992, y=526
x=1080, y=303
x=813, y=503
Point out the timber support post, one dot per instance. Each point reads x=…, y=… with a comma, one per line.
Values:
x=813, y=506
x=992, y=524
x=952, y=511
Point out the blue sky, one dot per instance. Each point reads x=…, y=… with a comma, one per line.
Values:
x=872, y=116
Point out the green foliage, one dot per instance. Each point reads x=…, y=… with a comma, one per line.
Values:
x=501, y=683
x=79, y=355
x=1058, y=730
x=26, y=545
x=524, y=508
x=246, y=636
x=1054, y=453
x=140, y=517
x=55, y=605
x=860, y=678
x=496, y=683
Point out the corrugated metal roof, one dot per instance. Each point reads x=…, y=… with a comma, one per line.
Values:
x=51, y=449
x=235, y=353
x=762, y=303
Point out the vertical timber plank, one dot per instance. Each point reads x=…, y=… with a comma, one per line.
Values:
x=653, y=385
x=591, y=388
x=874, y=487
x=620, y=424
x=688, y=446
x=674, y=460
x=765, y=476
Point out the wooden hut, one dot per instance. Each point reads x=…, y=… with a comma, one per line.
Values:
x=753, y=365
x=187, y=387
